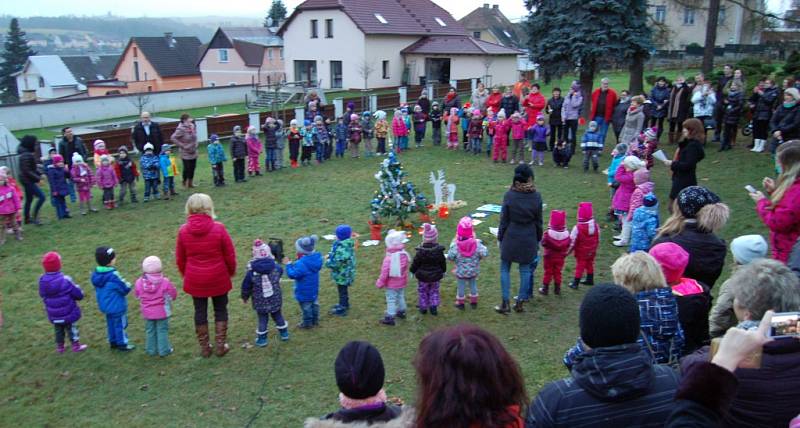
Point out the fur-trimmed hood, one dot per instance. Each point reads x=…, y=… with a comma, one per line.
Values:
x=405, y=420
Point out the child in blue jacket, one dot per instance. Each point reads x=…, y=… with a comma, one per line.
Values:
x=305, y=273
x=591, y=146
x=110, y=290
x=217, y=158
x=341, y=132
x=644, y=224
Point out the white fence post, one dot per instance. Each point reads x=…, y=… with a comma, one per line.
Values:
x=338, y=107
x=254, y=120
x=403, y=91
x=201, y=125
x=373, y=103
x=300, y=116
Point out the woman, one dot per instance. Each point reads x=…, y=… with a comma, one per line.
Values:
x=679, y=107
x=634, y=121
x=519, y=233
x=185, y=137
x=534, y=103
x=206, y=258
x=785, y=122
x=424, y=103
x=451, y=100
x=659, y=96
x=684, y=163
x=704, y=100
x=700, y=214
x=781, y=212
x=29, y=177
x=493, y=101
x=479, y=97
x=762, y=102
x=465, y=378
x=571, y=112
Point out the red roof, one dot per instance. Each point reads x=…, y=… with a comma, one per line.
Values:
x=457, y=45
x=405, y=17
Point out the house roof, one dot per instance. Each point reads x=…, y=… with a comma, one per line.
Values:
x=252, y=53
x=250, y=43
x=257, y=35
x=457, y=45
x=87, y=68
x=177, y=59
x=490, y=19
x=403, y=17
x=52, y=69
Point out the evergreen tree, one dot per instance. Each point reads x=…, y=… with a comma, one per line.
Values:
x=396, y=197
x=277, y=13
x=15, y=54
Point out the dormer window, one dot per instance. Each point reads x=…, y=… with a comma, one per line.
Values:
x=440, y=22
x=381, y=19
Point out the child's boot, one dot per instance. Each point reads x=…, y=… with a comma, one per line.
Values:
x=589, y=279
x=473, y=301
x=574, y=283
x=77, y=346
x=284, y=331
x=18, y=234
x=434, y=311
x=220, y=336
x=401, y=315
x=202, y=339
x=544, y=289
x=459, y=303
x=557, y=289
x=261, y=338
x=60, y=348
x=423, y=311
x=387, y=320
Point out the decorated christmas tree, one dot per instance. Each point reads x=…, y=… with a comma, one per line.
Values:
x=397, y=197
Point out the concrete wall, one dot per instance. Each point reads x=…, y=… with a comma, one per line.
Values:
x=503, y=69
x=53, y=113
x=381, y=48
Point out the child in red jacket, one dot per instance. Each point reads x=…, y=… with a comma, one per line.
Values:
x=556, y=243
x=585, y=238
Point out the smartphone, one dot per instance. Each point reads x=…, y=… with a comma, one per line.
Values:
x=750, y=189
x=785, y=324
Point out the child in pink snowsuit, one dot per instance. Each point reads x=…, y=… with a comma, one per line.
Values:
x=394, y=276
x=518, y=137
x=556, y=243
x=83, y=178
x=500, y=139
x=155, y=293
x=253, y=151
x=9, y=207
x=107, y=180
x=585, y=237
x=452, y=129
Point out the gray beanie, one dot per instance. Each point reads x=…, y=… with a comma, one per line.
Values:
x=748, y=248
x=305, y=245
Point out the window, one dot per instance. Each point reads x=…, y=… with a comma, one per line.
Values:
x=269, y=54
x=314, y=33
x=305, y=71
x=661, y=14
x=223, y=55
x=440, y=22
x=149, y=89
x=721, y=16
x=145, y=75
x=281, y=53
x=688, y=16
x=41, y=82
x=476, y=34
x=136, y=71
x=328, y=28
x=381, y=19
x=336, y=74
x=385, y=69
x=135, y=52
x=212, y=84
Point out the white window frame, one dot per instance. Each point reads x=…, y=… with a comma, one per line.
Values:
x=660, y=14
x=440, y=21
x=381, y=19
x=269, y=54
x=222, y=55
x=689, y=15
x=386, y=69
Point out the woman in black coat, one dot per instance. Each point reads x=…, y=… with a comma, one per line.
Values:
x=29, y=177
x=519, y=234
x=785, y=123
x=690, y=152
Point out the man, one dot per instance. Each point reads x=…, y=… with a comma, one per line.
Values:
x=615, y=382
x=147, y=131
x=70, y=144
x=603, y=101
x=719, y=114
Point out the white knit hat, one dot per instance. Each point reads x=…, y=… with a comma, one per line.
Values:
x=748, y=248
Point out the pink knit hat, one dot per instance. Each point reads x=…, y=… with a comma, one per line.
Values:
x=673, y=260
x=99, y=144
x=51, y=262
x=261, y=249
x=641, y=175
x=558, y=220
x=465, y=229
x=585, y=212
x=151, y=264
x=475, y=112
x=429, y=233
x=58, y=159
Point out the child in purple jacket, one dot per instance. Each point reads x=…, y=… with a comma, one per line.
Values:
x=538, y=135
x=57, y=176
x=420, y=123
x=59, y=295
x=155, y=293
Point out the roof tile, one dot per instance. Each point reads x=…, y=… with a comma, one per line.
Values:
x=457, y=45
x=179, y=60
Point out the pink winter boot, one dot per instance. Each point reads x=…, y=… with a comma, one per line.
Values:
x=78, y=347
x=473, y=301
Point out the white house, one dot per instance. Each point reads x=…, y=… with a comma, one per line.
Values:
x=49, y=77
x=363, y=43
x=242, y=56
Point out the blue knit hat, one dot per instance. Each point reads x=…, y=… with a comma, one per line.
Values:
x=213, y=138
x=305, y=245
x=343, y=231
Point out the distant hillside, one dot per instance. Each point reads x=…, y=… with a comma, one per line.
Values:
x=111, y=27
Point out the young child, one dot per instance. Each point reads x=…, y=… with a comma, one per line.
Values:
x=644, y=224
x=60, y=296
x=381, y=131
x=420, y=123
x=151, y=170
x=155, y=293
x=107, y=181
x=99, y=151
x=475, y=131
x=271, y=142
x=262, y=284
x=57, y=176
x=9, y=208
x=17, y=189
x=329, y=140
x=467, y=251
x=342, y=263
x=488, y=125
x=500, y=139
x=127, y=174
x=645, y=146
x=305, y=273
x=368, y=133
x=428, y=267
x=394, y=276
x=217, y=159
x=435, y=117
x=452, y=129
x=538, y=135
x=169, y=170
x=404, y=114
x=732, y=115
x=355, y=135
x=556, y=243
x=641, y=178
x=518, y=137
x=465, y=116
x=253, y=151
x=584, y=239
x=295, y=137
x=591, y=146
x=280, y=135
x=308, y=143
x=320, y=136
x=110, y=291
x=617, y=155
x=400, y=131
x=238, y=153
x=562, y=154
x=622, y=197
x=341, y=132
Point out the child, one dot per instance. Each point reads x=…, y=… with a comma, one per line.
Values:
x=308, y=143
x=467, y=252
x=99, y=151
x=341, y=133
x=295, y=137
x=466, y=116
x=644, y=224
x=394, y=276
x=60, y=295
x=280, y=134
x=169, y=169
x=355, y=135
x=420, y=123
x=151, y=170
x=400, y=131
x=556, y=243
x=107, y=180
x=554, y=106
x=591, y=146
x=562, y=153
x=622, y=197
x=305, y=273
x=368, y=131
x=641, y=178
x=155, y=293
x=732, y=114
x=488, y=124
x=9, y=208
x=452, y=129
x=584, y=239
x=617, y=155
x=538, y=135
x=57, y=176
x=518, y=138
x=645, y=146
x=428, y=267
x=110, y=291
x=17, y=189
x=127, y=174
x=408, y=124
x=320, y=137
x=253, y=151
x=217, y=159
x=435, y=117
x=262, y=283
x=271, y=142
x=500, y=139
x=475, y=131
x=381, y=131
x=238, y=153
x=342, y=263
x=328, y=141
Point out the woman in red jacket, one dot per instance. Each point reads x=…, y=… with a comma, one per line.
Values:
x=206, y=258
x=494, y=99
x=534, y=103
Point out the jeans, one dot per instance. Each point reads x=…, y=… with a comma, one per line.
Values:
x=344, y=295
x=116, y=325
x=590, y=154
x=108, y=195
x=151, y=187
x=320, y=151
x=238, y=169
x=310, y=312
x=123, y=189
x=169, y=186
x=71, y=188
x=201, y=309
x=462, y=283
x=402, y=142
x=602, y=129
x=263, y=322
x=32, y=190
x=419, y=135
x=729, y=135
x=63, y=330
x=489, y=141
x=525, y=283
x=428, y=293
x=475, y=144
x=395, y=301
x=381, y=145
x=272, y=161
x=60, y=203
x=157, y=337
x=341, y=146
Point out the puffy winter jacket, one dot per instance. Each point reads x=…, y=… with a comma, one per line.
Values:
x=238, y=147
x=9, y=200
x=785, y=119
x=151, y=167
x=305, y=273
x=733, y=110
x=764, y=103
x=644, y=226
x=106, y=177
x=59, y=295
x=571, y=109
x=185, y=137
x=707, y=252
x=475, y=129
x=619, y=114
x=57, y=177
x=694, y=304
x=216, y=153
x=555, y=244
x=622, y=197
x=110, y=290
x=262, y=285
x=399, y=128
x=637, y=197
x=467, y=267
x=155, y=293
x=662, y=334
x=205, y=256
x=783, y=221
x=660, y=99
x=585, y=237
x=429, y=263
x=394, y=282
x=554, y=106
x=704, y=103
x=342, y=262
x=126, y=170
x=28, y=171
x=518, y=129
x=510, y=105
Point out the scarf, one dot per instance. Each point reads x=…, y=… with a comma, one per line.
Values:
x=353, y=403
x=467, y=247
x=789, y=104
x=395, y=264
x=450, y=96
x=523, y=187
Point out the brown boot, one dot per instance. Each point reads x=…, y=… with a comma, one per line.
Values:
x=671, y=138
x=190, y=183
x=202, y=339
x=220, y=335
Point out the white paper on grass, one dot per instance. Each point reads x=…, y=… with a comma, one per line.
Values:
x=494, y=230
x=660, y=155
x=492, y=208
x=329, y=237
x=479, y=215
x=370, y=243
x=476, y=222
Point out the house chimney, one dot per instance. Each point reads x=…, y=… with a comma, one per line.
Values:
x=170, y=39
x=496, y=7
x=486, y=5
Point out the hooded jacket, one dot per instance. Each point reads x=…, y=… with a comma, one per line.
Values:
x=83, y=177
x=151, y=166
x=634, y=121
x=467, y=266
x=660, y=97
x=126, y=170
x=521, y=227
x=9, y=199
x=238, y=147
x=57, y=177
x=305, y=273
x=637, y=197
x=429, y=263
x=783, y=221
x=59, y=295
x=733, y=110
x=28, y=171
x=342, y=262
x=185, y=137
x=786, y=120
x=110, y=290
x=694, y=304
x=393, y=282
x=216, y=153
x=644, y=226
x=622, y=197
x=205, y=256
x=661, y=330
x=571, y=109
x=155, y=293
x=106, y=177
x=555, y=244
x=707, y=252
x=703, y=103
x=262, y=285
x=765, y=103
x=585, y=237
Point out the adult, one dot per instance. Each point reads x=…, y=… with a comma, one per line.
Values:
x=634, y=121
x=719, y=114
x=614, y=382
x=781, y=211
x=767, y=395
x=479, y=97
x=738, y=78
x=493, y=101
x=67, y=146
x=660, y=98
x=534, y=103
x=509, y=103
x=603, y=101
x=424, y=103
x=312, y=98
x=680, y=107
x=146, y=131
x=451, y=100
x=522, y=86
x=206, y=259
x=620, y=113
x=684, y=163
x=185, y=137
x=700, y=214
x=466, y=378
x=554, y=107
x=785, y=122
x=29, y=177
x=704, y=100
x=762, y=103
x=571, y=112
x=519, y=233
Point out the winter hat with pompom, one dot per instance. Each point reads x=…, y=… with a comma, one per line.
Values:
x=151, y=264
x=99, y=144
x=305, y=245
x=261, y=250
x=673, y=260
x=429, y=233
x=343, y=231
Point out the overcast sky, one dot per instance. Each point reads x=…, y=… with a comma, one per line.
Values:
x=513, y=9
